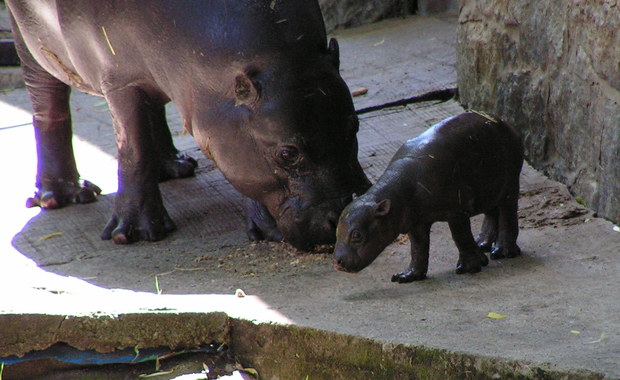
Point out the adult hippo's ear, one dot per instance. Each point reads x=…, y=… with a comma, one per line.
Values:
x=247, y=91
x=334, y=52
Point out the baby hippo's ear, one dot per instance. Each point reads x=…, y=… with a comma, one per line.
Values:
x=383, y=208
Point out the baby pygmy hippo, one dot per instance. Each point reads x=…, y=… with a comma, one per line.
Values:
x=463, y=166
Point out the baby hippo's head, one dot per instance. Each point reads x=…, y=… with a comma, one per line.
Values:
x=364, y=230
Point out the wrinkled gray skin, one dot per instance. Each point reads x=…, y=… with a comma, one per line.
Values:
x=255, y=82
x=461, y=167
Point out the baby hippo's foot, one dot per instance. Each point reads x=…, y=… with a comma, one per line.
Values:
x=409, y=275
x=499, y=252
x=472, y=263
x=179, y=166
x=484, y=244
x=64, y=193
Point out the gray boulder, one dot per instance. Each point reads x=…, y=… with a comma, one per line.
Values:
x=551, y=69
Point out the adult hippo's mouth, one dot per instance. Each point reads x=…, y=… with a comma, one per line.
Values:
x=305, y=225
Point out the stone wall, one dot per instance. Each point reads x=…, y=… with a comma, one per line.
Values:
x=347, y=13
x=551, y=69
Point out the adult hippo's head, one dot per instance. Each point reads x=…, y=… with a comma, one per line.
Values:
x=286, y=137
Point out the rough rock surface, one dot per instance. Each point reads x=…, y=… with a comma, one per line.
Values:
x=340, y=14
x=346, y=13
x=552, y=69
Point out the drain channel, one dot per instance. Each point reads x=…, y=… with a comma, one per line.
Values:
x=442, y=95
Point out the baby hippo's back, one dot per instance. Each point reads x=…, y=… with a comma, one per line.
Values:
x=463, y=163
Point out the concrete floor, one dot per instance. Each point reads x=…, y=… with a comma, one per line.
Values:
x=560, y=298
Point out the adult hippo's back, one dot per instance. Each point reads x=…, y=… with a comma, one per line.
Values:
x=255, y=82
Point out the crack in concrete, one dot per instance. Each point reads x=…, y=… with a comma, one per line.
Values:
x=64, y=262
x=58, y=328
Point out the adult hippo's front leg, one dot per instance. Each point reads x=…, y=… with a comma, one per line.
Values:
x=172, y=163
x=139, y=213
x=260, y=225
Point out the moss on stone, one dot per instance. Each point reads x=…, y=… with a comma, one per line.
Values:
x=294, y=352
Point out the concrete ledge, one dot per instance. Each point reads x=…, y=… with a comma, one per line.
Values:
x=276, y=351
x=109, y=333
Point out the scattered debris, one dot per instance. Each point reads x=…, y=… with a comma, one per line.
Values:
x=105, y=34
x=599, y=340
x=179, y=269
x=485, y=115
x=157, y=288
x=424, y=187
x=156, y=374
x=250, y=371
x=379, y=43
x=265, y=258
x=49, y=236
x=359, y=92
x=493, y=315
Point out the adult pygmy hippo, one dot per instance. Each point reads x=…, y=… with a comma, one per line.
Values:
x=255, y=82
x=463, y=166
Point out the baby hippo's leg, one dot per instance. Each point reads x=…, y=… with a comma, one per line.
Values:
x=471, y=258
x=488, y=234
x=416, y=271
x=508, y=227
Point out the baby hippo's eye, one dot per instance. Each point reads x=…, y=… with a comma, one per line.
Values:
x=356, y=236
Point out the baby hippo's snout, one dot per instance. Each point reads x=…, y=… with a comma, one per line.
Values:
x=346, y=259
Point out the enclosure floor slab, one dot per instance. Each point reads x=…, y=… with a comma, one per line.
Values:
x=559, y=299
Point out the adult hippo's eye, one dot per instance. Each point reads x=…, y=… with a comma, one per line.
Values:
x=288, y=155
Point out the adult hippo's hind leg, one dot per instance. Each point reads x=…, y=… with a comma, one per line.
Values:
x=139, y=212
x=172, y=163
x=57, y=181
x=260, y=225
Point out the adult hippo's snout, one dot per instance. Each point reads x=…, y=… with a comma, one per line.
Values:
x=305, y=225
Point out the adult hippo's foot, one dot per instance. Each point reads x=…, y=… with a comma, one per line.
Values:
x=129, y=227
x=260, y=225
x=64, y=193
x=180, y=165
